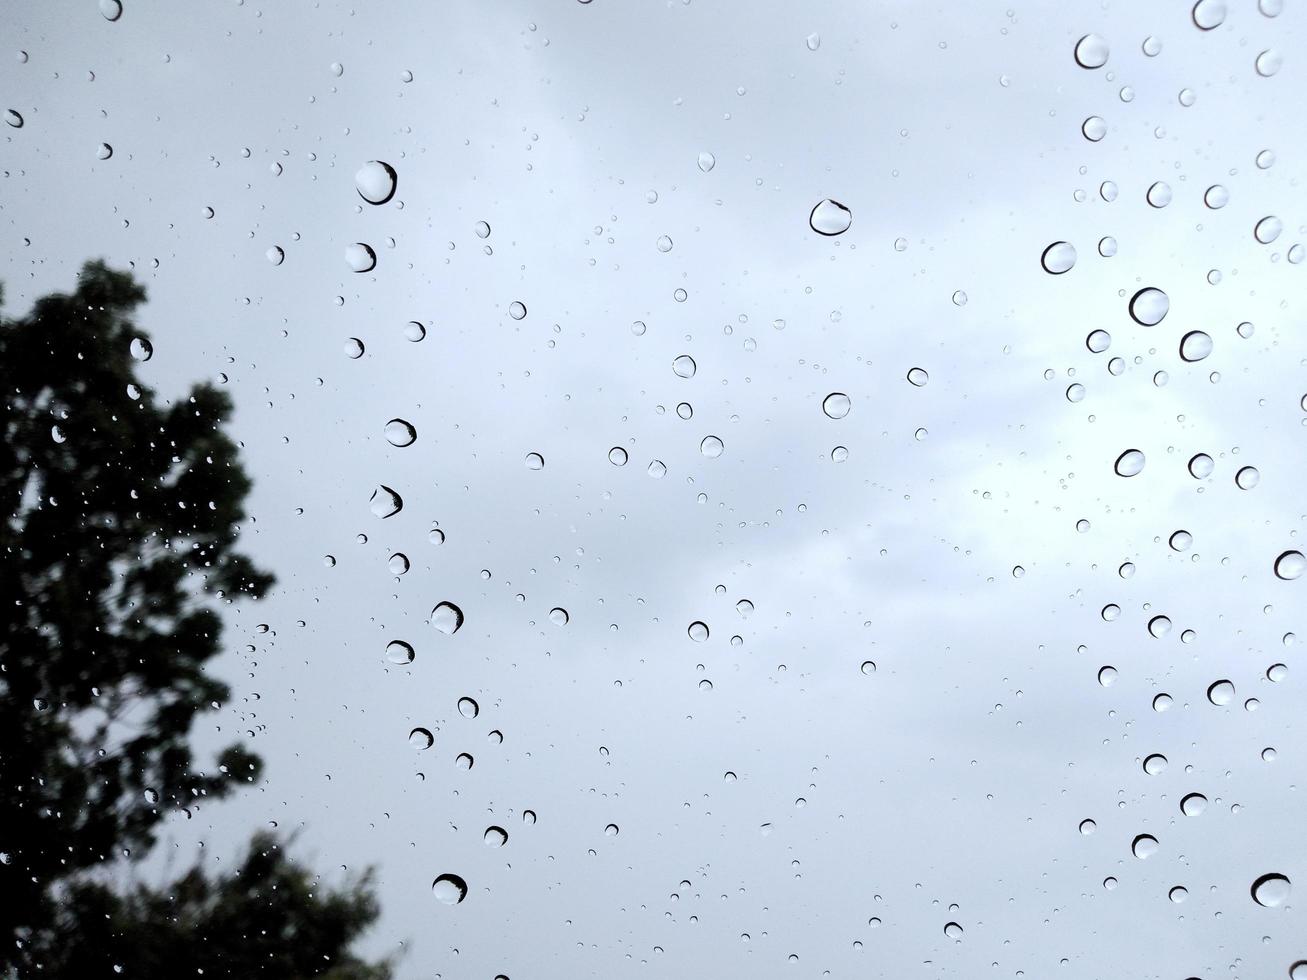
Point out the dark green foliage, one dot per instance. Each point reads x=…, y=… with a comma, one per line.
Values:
x=118, y=541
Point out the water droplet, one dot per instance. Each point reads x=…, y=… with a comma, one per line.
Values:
x=1149, y=306
x=276, y=255
x=1268, y=63
x=1098, y=341
x=1276, y=673
x=398, y=563
x=1087, y=827
x=712, y=447
x=354, y=348
x=558, y=616
x=534, y=461
x=468, y=708
x=449, y=889
x=1195, y=345
x=1216, y=197
x=1220, y=692
x=1298, y=971
x=1290, y=565
x=1193, y=804
x=1181, y=541
x=684, y=366
x=1178, y=894
x=611, y=830
x=918, y=377
x=447, y=618
x=400, y=433
x=140, y=349
x=464, y=761
x=482, y=229
x=707, y=161
x=1107, y=675
x=1155, y=764
x=360, y=257
x=1108, y=191
x=1151, y=47
x=1109, y=883
x=111, y=10
x=14, y=118
x=1094, y=128
x=1247, y=478
x=813, y=41
x=421, y=739
x=414, y=331
x=657, y=469
x=1209, y=14
x=836, y=405
x=959, y=298
x=1110, y=612
x=840, y=454
x=376, y=181
x=495, y=836
x=1144, y=846
x=1201, y=466
x=1159, y=626
x=830, y=218
x=952, y=930
x=529, y=817
x=517, y=310
x=399, y=652
x=1130, y=463
x=1268, y=229
x=1092, y=51
x=617, y=456
x=1271, y=890
x=1159, y=194
x=1162, y=702
x=385, y=502
x=1107, y=246
x=698, y=631
x=1058, y=258
x=663, y=244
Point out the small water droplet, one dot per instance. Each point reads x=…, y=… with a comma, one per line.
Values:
x=1247, y=478
x=376, y=181
x=1130, y=463
x=830, y=218
x=495, y=837
x=1058, y=258
x=360, y=257
x=1268, y=229
x=400, y=433
x=399, y=652
x=712, y=447
x=706, y=161
x=111, y=10
x=385, y=502
x=1209, y=14
x=421, y=739
x=1195, y=345
x=1149, y=306
x=698, y=631
x=534, y=461
x=449, y=889
x=836, y=405
x=1144, y=846
x=447, y=618
x=558, y=616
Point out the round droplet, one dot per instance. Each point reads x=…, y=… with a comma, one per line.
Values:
x=830, y=218
x=1220, y=692
x=1159, y=626
x=952, y=930
x=468, y=708
x=420, y=739
x=698, y=631
x=385, y=502
x=1276, y=673
x=706, y=161
x=1075, y=392
x=663, y=244
x=1092, y=51
x=1290, y=565
x=1087, y=827
x=1159, y=194
x=481, y=229
x=495, y=837
x=1155, y=764
x=1151, y=47
x=840, y=454
x=1098, y=341
x=1094, y=128
x=414, y=331
x=360, y=257
x=1129, y=463
x=1201, y=466
x=1247, y=478
x=1107, y=246
x=657, y=469
x=611, y=830
x=1271, y=890
x=868, y=667
x=1298, y=971
x=354, y=348
x=1193, y=804
x=1144, y=846
x=1181, y=541
x=1268, y=229
x=14, y=118
x=376, y=181
x=1058, y=258
x=1178, y=894
x=617, y=456
x=1216, y=197
x=1162, y=702
x=712, y=447
x=1109, y=883
x=1110, y=613
x=275, y=255
x=1268, y=63
x=140, y=349
x=464, y=761
x=1149, y=306
x=684, y=366
x=447, y=618
x=1127, y=569
x=398, y=563
x=1108, y=191
x=918, y=377
x=1107, y=675
x=1209, y=14
x=449, y=889
x=534, y=461
x=111, y=10
x=399, y=652
x=1195, y=345
x=836, y=405
x=558, y=616
x=400, y=433
x=812, y=41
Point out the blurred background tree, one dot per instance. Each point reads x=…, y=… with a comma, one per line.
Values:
x=118, y=548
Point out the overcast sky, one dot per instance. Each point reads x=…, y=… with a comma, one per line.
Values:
x=867, y=803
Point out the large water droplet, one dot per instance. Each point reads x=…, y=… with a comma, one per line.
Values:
x=140, y=349
x=611, y=830
x=1149, y=306
x=468, y=708
x=684, y=367
x=517, y=310
x=698, y=631
x=360, y=257
x=1094, y=128
x=617, y=456
x=836, y=405
x=376, y=182
x=1178, y=894
x=495, y=836
x=1271, y=890
x=1130, y=463
x=1247, y=478
x=1290, y=565
x=400, y=433
x=1268, y=63
x=385, y=502
x=420, y=739
x=917, y=377
x=1159, y=194
x=830, y=218
x=1201, y=466
x=1268, y=229
x=953, y=930
x=111, y=10
x=1181, y=541
x=1092, y=51
x=1144, y=846
x=534, y=461
x=447, y=618
x=1098, y=341
x=14, y=118
x=1058, y=258
x=1220, y=692
x=449, y=889
x=399, y=652
x=712, y=447
x=1155, y=764
x=1193, y=804
x=558, y=616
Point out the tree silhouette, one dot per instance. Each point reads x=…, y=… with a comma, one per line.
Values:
x=118, y=545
